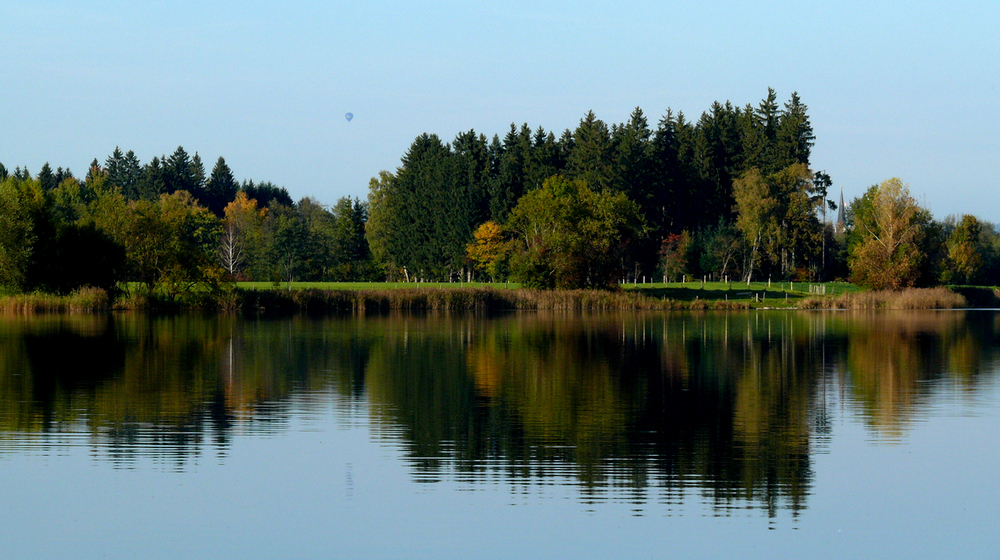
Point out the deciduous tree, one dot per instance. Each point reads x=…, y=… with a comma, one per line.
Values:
x=889, y=227
x=567, y=235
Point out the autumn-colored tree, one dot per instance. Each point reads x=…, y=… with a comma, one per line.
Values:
x=675, y=253
x=885, y=246
x=241, y=236
x=489, y=249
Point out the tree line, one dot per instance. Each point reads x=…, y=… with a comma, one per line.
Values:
x=169, y=227
x=730, y=195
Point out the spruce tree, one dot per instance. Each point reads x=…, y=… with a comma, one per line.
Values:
x=509, y=182
x=62, y=175
x=179, y=174
x=115, y=166
x=591, y=156
x=46, y=178
x=794, y=137
x=152, y=182
x=197, y=187
x=221, y=187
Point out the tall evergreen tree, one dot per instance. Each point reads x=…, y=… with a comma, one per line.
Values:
x=632, y=158
x=221, y=187
x=152, y=182
x=546, y=159
x=97, y=177
x=115, y=166
x=179, y=173
x=350, y=248
x=472, y=179
x=794, y=137
x=509, y=182
x=197, y=187
x=130, y=177
x=62, y=175
x=591, y=156
x=717, y=153
x=46, y=178
x=422, y=218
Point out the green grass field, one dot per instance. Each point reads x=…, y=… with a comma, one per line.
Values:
x=759, y=294
x=372, y=285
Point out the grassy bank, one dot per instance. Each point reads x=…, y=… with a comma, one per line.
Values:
x=318, y=298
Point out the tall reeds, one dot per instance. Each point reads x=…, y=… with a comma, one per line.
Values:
x=911, y=298
x=84, y=300
x=458, y=299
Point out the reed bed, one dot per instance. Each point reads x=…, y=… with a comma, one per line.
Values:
x=84, y=300
x=459, y=299
x=911, y=298
x=322, y=301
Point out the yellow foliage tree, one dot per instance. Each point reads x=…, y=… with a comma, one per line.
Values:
x=241, y=234
x=889, y=228
x=489, y=249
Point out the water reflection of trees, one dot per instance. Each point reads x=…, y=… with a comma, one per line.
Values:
x=725, y=407
x=896, y=360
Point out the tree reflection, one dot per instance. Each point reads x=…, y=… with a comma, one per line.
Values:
x=722, y=407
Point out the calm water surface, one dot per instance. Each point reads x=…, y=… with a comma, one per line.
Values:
x=751, y=434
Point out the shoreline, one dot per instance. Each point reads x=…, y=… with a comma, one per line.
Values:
x=311, y=300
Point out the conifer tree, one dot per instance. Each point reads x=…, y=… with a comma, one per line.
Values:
x=46, y=178
x=179, y=173
x=220, y=188
x=197, y=186
x=591, y=156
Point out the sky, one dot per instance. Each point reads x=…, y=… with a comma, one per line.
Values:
x=894, y=89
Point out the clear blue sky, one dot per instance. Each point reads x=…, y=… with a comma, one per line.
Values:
x=894, y=89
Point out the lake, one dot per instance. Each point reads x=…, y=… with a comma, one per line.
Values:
x=753, y=434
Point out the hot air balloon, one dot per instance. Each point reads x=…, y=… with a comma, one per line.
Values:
x=349, y=116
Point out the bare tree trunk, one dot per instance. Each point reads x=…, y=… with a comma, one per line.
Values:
x=232, y=253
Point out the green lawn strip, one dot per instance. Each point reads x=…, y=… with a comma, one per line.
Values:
x=762, y=292
x=372, y=285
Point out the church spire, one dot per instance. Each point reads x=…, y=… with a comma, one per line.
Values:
x=839, y=228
